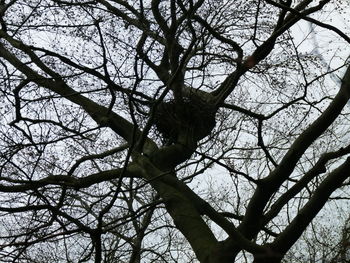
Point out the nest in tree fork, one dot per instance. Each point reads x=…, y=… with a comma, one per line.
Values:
x=191, y=117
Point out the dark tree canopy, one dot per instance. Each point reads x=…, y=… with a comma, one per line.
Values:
x=172, y=130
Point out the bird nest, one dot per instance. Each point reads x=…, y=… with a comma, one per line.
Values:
x=192, y=117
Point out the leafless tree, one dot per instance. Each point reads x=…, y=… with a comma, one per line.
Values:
x=169, y=131
x=322, y=243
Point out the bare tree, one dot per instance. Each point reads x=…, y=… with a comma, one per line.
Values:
x=322, y=243
x=168, y=131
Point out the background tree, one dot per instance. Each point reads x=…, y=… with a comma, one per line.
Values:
x=322, y=244
x=169, y=131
